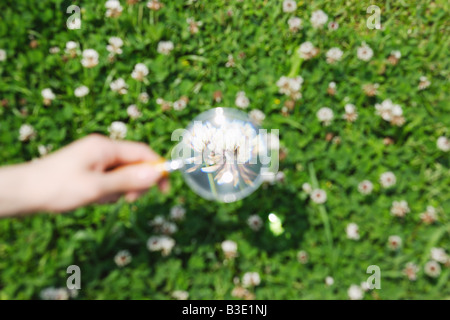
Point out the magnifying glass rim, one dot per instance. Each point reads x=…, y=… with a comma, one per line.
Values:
x=228, y=197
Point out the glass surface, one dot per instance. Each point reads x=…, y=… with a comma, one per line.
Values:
x=221, y=151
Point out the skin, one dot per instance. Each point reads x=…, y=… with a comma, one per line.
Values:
x=92, y=169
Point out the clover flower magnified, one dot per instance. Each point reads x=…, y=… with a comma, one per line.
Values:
x=225, y=155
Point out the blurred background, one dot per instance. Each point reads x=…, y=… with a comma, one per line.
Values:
x=359, y=91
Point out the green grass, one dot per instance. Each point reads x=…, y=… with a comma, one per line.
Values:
x=36, y=251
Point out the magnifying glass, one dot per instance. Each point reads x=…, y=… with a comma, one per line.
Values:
x=222, y=155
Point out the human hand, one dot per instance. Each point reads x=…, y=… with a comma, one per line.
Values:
x=79, y=174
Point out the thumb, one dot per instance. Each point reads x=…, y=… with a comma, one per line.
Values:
x=130, y=178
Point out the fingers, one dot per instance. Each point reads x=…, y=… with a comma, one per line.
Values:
x=136, y=177
x=125, y=152
x=101, y=153
x=163, y=185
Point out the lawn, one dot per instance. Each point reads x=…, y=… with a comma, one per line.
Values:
x=363, y=116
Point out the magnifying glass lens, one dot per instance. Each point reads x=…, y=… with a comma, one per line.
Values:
x=221, y=151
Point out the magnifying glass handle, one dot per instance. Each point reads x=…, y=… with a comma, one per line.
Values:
x=162, y=165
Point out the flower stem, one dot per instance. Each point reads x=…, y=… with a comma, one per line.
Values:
x=323, y=215
x=296, y=63
x=212, y=184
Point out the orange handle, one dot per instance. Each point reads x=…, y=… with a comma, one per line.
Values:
x=159, y=165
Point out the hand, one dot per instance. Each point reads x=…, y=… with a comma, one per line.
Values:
x=79, y=174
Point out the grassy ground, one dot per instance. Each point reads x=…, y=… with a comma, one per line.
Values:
x=35, y=252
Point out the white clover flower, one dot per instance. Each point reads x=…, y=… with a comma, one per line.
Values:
x=350, y=113
x=235, y=141
x=81, y=91
x=119, y=86
x=318, y=196
x=295, y=24
x=71, y=45
x=157, y=223
x=230, y=62
x=48, y=96
x=397, y=54
x=169, y=228
x=410, y=271
x=194, y=26
x=331, y=90
x=352, y=231
x=302, y=257
x=257, y=116
x=333, y=25
x=255, y=222
x=165, y=47
x=251, y=279
x=371, y=89
x=424, y=83
x=115, y=46
x=154, y=5
x=329, y=281
x=365, y=187
x=122, y=258
x=133, y=112
x=44, y=150
x=164, y=244
x=364, y=52
x=140, y=72
x=432, y=269
x=180, y=295
x=2, y=55
x=117, y=130
x=74, y=24
x=241, y=100
x=181, y=103
x=429, y=216
x=290, y=86
x=390, y=112
x=439, y=255
x=394, y=242
x=355, y=292
x=443, y=144
x=333, y=55
x=71, y=48
x=165, y=105
x=54, y=294
x=153, y=243
x=167, y=245
x=90, y=58
x=307, y=50
x=143, y=97
x=26, y=132
x=388, y=179
x=177, y=213
x=229, y=248
x=325, y=115
x=400, y=208
x=52, y=50
x=289, y=6
x=306, y=188
x=318, y=19
x=365, y=286
x=113, y=8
